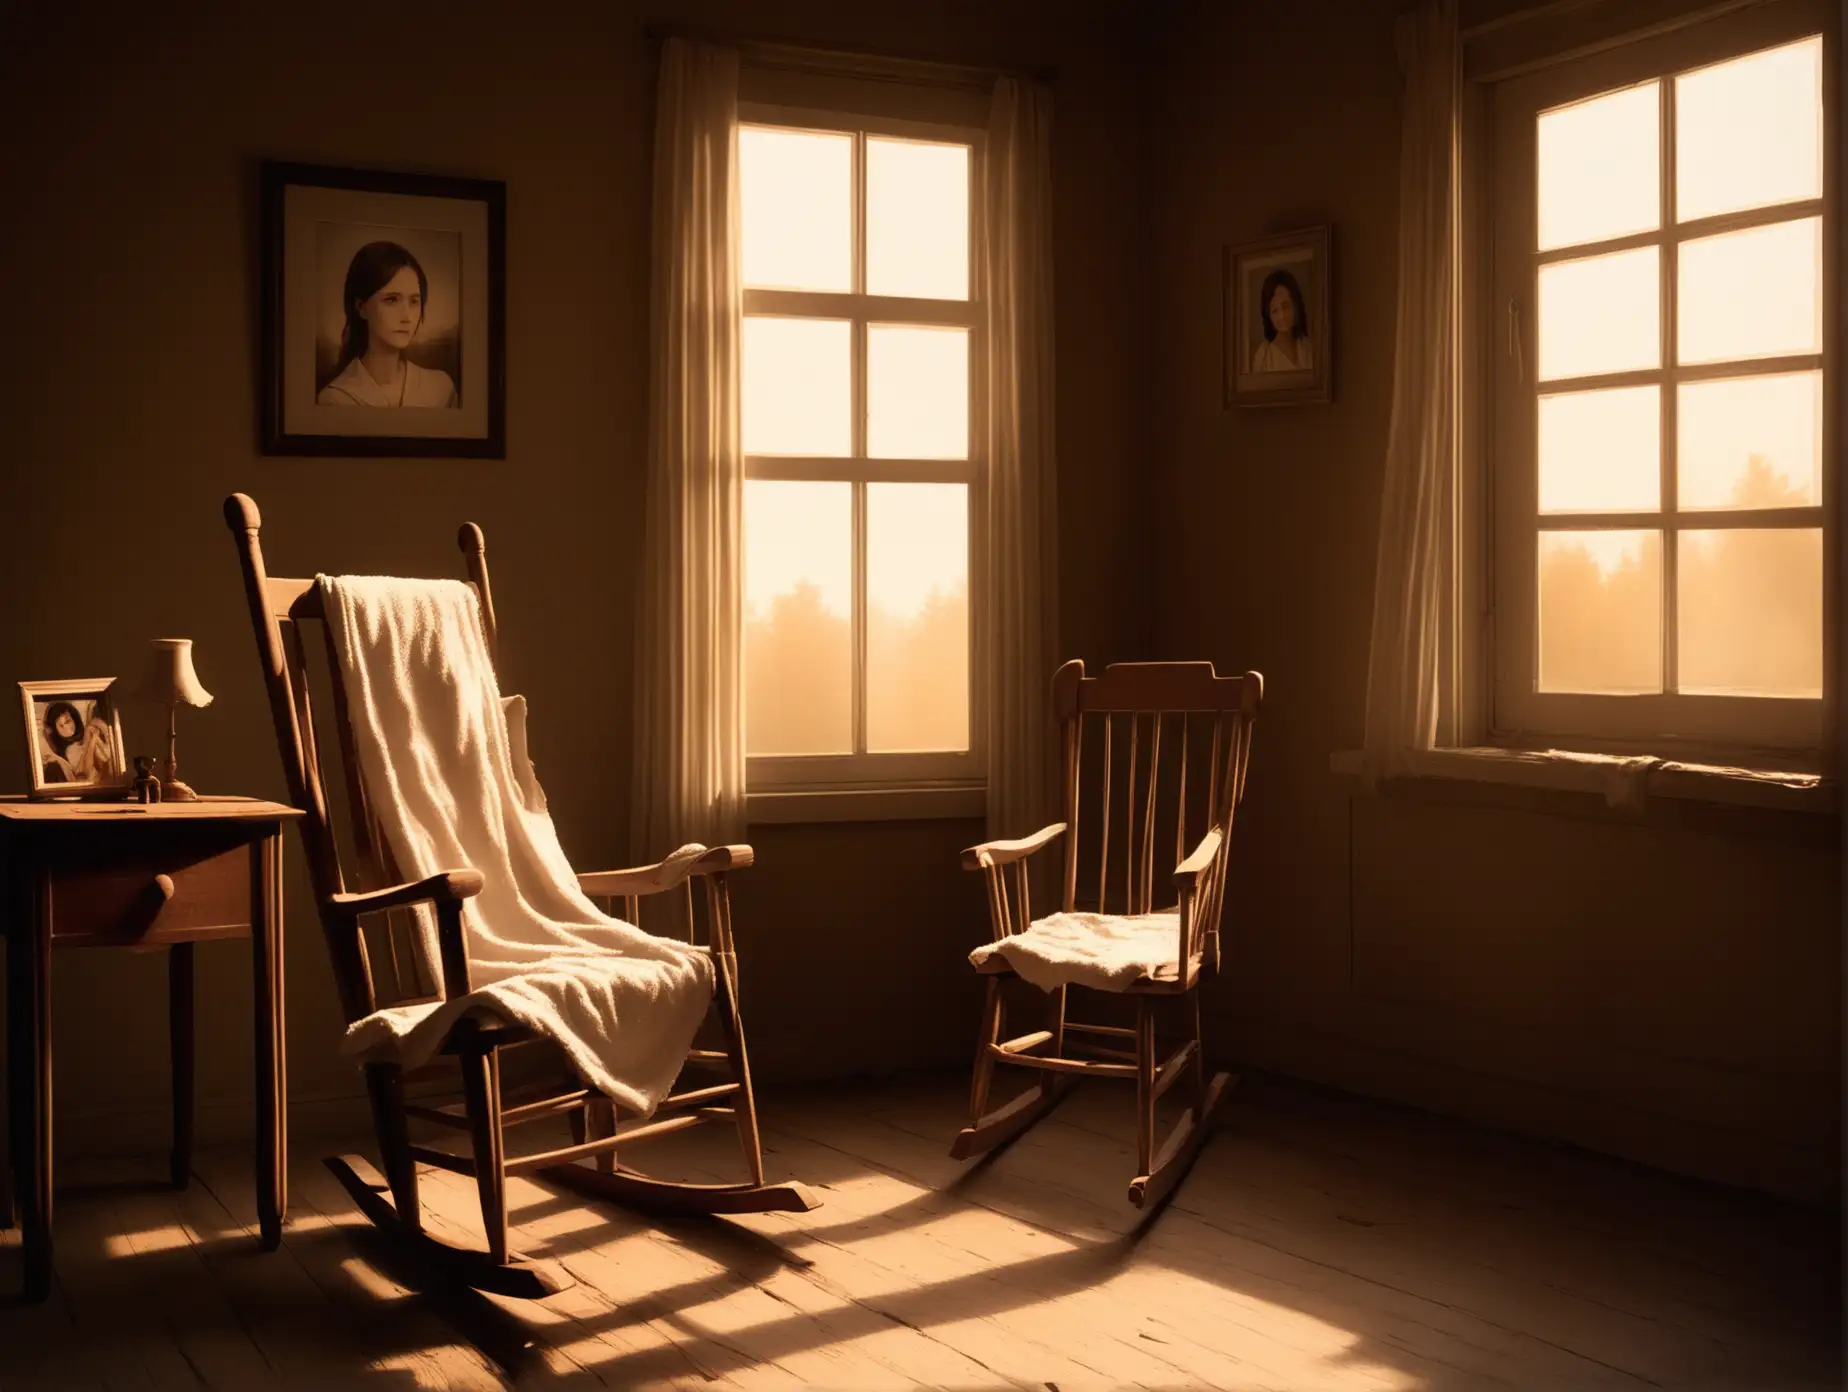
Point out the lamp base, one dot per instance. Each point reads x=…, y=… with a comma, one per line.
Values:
x=172, y=790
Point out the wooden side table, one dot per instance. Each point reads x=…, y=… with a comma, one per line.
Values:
x=111, y=874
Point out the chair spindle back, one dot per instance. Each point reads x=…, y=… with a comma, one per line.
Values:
x=1155, y=756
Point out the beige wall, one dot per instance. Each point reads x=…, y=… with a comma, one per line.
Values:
x=128, y=389
x=1666, y=989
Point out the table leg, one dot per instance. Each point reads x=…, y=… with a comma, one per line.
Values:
x=180, y=1046
x=266, y=983
x=33, y=929
x=17, y=1049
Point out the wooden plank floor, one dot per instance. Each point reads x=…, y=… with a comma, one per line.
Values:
x=1322, y=1241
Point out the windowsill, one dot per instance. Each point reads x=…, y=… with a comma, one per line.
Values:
x=865, y=805
x=1626, y=784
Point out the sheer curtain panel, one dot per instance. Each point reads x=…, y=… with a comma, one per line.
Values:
x=1020, y=620
x=1410, y=664
x=689, y=726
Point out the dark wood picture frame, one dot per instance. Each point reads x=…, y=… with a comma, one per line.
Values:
x=1307, y=254
x=482, y=348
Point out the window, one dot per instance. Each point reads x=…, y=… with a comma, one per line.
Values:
x=859, y=353
x=1662, y=382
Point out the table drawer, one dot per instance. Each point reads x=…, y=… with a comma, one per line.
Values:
x=152, y=896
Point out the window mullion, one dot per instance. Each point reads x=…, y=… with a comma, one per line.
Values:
x=859, y=443
x=859, y=616
x=1671, y=533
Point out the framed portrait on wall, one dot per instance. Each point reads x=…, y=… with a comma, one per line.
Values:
x=1277, y=321
x=383, y=313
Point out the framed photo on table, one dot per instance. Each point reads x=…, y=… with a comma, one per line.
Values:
x=384, y=324
x=74, y=738
x=1278, y=348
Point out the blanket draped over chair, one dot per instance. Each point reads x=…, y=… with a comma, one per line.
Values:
x=434, y=751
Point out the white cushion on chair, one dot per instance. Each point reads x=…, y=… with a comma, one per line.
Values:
x=1108, y=952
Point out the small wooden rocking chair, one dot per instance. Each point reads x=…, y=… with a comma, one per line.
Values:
x=367, y=887
x=1146, y=697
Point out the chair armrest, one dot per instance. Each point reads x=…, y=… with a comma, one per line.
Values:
x=1187, y=873
x=997, y=853
x=690, y=859
x=444, y=887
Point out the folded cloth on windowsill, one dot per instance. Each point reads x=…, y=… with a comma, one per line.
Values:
x=439, y=767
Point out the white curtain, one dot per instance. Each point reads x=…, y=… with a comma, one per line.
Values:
x=1409, y=665
x=1020, y=607
x=689, y=723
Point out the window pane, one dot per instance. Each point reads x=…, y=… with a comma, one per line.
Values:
x=1599, y=163
x=1601, y=612
x=1752, y=294
x=798, y=386
x=798, y=607
x=1601, y=451
x=1751, y=612
x=917, y=392
x=917, y=219
x=1749, y=132
x=795, y=200
x=1751, y=442
x=1600, y=314
x=917, y=617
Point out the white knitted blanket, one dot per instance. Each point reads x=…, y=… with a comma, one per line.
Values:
x=433, y=745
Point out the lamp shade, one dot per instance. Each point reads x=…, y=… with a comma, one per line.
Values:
x=169, y=677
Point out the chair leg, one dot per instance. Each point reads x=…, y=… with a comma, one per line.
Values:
x=599, y=1122
x=1145, y=1084
x=731, y=1025
x=1199, y=1059
x=987, y=1130
x=450, y=1265
x=986, y=1038
x=1162, y=1169
x=385, y=1086
x=481, y=1093
x=610, y=1181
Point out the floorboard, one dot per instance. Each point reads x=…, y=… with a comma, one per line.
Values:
x=1321, y=1241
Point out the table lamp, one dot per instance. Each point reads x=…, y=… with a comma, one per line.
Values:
x=170, y=680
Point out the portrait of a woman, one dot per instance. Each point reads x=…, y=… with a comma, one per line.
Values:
x=76, y=749
x=384, y=297
x=1283, y=323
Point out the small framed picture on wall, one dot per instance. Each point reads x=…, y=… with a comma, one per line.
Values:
x=383, y=313
x=1277, y=320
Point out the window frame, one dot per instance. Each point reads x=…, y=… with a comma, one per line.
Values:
x=788, y=776
x=1500, y=703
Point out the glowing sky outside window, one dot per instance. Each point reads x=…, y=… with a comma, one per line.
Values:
x=1600, y=314
x=917, y=392
x=1751, y=441
x=1597, y=165
x=795, y=200
x=1752, y=294
x=917, y=219
x=1601, y=451
x=1748, y=132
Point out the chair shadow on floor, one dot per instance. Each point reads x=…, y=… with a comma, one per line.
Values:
x=1290, y=1239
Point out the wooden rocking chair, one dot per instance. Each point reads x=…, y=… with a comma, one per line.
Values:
x=367, y=887
x=1145, y=697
